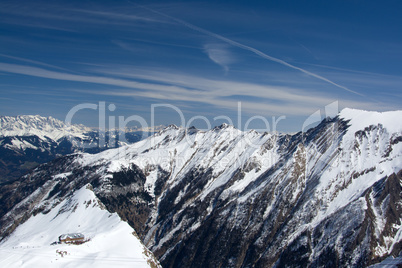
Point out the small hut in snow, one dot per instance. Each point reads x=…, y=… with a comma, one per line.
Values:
x=73, y=238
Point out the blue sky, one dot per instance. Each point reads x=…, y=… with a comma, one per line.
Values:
x=276, y=58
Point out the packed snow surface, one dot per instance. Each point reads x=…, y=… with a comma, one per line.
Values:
x=111, y=242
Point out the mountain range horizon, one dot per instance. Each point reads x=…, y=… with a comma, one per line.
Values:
x=326, y=197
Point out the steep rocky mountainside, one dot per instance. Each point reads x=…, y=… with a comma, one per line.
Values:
x=329, y=197
x=29, y=140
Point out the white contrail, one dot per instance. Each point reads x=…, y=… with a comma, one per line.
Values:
x=245, y=47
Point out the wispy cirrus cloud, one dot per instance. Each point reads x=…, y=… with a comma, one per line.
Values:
x=31, y=61
x=165, y=86
x=43, y=73
x=119, y=16
x=65, y=17
x=220, y=54
x=251, y=49
x=293, y=100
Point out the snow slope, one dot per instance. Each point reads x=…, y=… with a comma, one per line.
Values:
x=112, y=241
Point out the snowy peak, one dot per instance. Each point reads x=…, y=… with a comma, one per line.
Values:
x=107, y=239
x=224, y=126
x=360, y=119
x=35, y=125
x=29, y=140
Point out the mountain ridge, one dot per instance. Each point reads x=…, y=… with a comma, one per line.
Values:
x=29, y=140
x=36, y=125
x=330, y=196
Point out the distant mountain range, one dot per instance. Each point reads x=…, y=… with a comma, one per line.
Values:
x=328, y=197
x=29, y=140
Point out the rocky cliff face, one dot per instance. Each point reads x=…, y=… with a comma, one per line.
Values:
x=328, y=197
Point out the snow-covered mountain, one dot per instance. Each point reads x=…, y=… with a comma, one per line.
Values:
x=110, y=241
x=29, y=140
x=329, y=197
x=42, y=127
